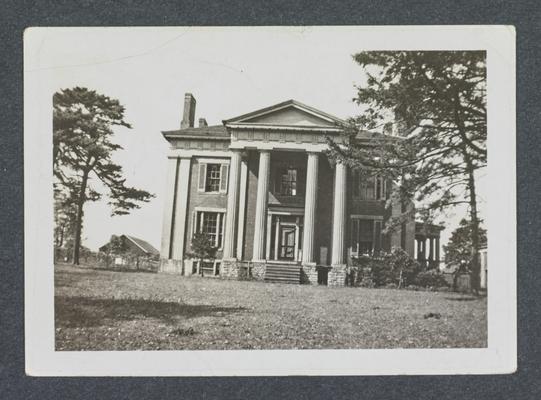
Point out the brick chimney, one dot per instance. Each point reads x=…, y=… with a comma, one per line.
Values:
x=202, y=122
x=188, y=117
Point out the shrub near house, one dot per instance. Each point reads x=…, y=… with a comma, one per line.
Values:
x=393, y=270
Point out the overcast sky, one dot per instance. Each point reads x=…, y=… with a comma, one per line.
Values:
x=229, y=71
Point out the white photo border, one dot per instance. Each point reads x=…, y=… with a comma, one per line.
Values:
x=499, y=357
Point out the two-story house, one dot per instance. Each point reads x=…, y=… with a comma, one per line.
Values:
x=262, y=188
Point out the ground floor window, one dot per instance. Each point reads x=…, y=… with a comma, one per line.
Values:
x=212, y=224
x=365, y=237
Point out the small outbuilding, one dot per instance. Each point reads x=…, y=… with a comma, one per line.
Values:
x=129, y=251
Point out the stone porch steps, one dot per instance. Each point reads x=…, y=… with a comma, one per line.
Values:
x=283, y=273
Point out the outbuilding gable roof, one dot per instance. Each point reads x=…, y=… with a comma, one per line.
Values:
x=145, y=246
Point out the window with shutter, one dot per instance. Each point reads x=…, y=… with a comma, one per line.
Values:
x=224, y=178
x=213, y=178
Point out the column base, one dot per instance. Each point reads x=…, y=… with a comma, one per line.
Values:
x=171, y=266
x=229, y=269
x=258, y=270
x=309, y=273
x=337, y=275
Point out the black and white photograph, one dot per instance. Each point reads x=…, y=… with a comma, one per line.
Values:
x=251, y=200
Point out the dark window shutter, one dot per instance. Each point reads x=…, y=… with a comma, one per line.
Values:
x=354, y=234
x=223, y=178
x=202, y=177
x=377, y=237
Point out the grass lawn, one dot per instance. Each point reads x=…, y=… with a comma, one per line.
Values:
x=106, y=310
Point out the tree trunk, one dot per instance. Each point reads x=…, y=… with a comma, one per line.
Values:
x=79, y=219
x=476, y=270
x=61, y=239
x=470, y=170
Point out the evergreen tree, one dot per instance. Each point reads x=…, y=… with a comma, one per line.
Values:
x=457, y=250
x=83, y=122
x=430, y=110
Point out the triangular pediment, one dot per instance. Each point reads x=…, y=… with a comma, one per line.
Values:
x=289, y=113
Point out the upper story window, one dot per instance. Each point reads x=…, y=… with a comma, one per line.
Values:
x=288, y=182
x=368, y=187
x=213, y=177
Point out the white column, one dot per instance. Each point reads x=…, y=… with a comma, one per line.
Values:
x=168, y=207
x=232, y=204
x=276, y=237
x=261, y=205
x=297, y=235
x=242, y=207
x=219, y=221
x=268, y=242
x=339, y=215
x=310, y=204
x=181, y=208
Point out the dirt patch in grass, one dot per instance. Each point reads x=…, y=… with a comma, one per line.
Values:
x=107, y=310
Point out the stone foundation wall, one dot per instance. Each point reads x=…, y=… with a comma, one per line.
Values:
x=309, y=274
x=258, y=271
x=229, y=269
x=171, y=266
x=337, y=275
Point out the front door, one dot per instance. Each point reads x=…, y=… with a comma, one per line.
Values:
x=286, y=247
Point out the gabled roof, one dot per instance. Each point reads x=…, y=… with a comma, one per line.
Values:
x=259, y=115
x=145, y=246
x=205, y=132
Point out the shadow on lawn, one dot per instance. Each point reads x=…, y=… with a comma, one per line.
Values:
x=73, y=312
x=463, y=298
